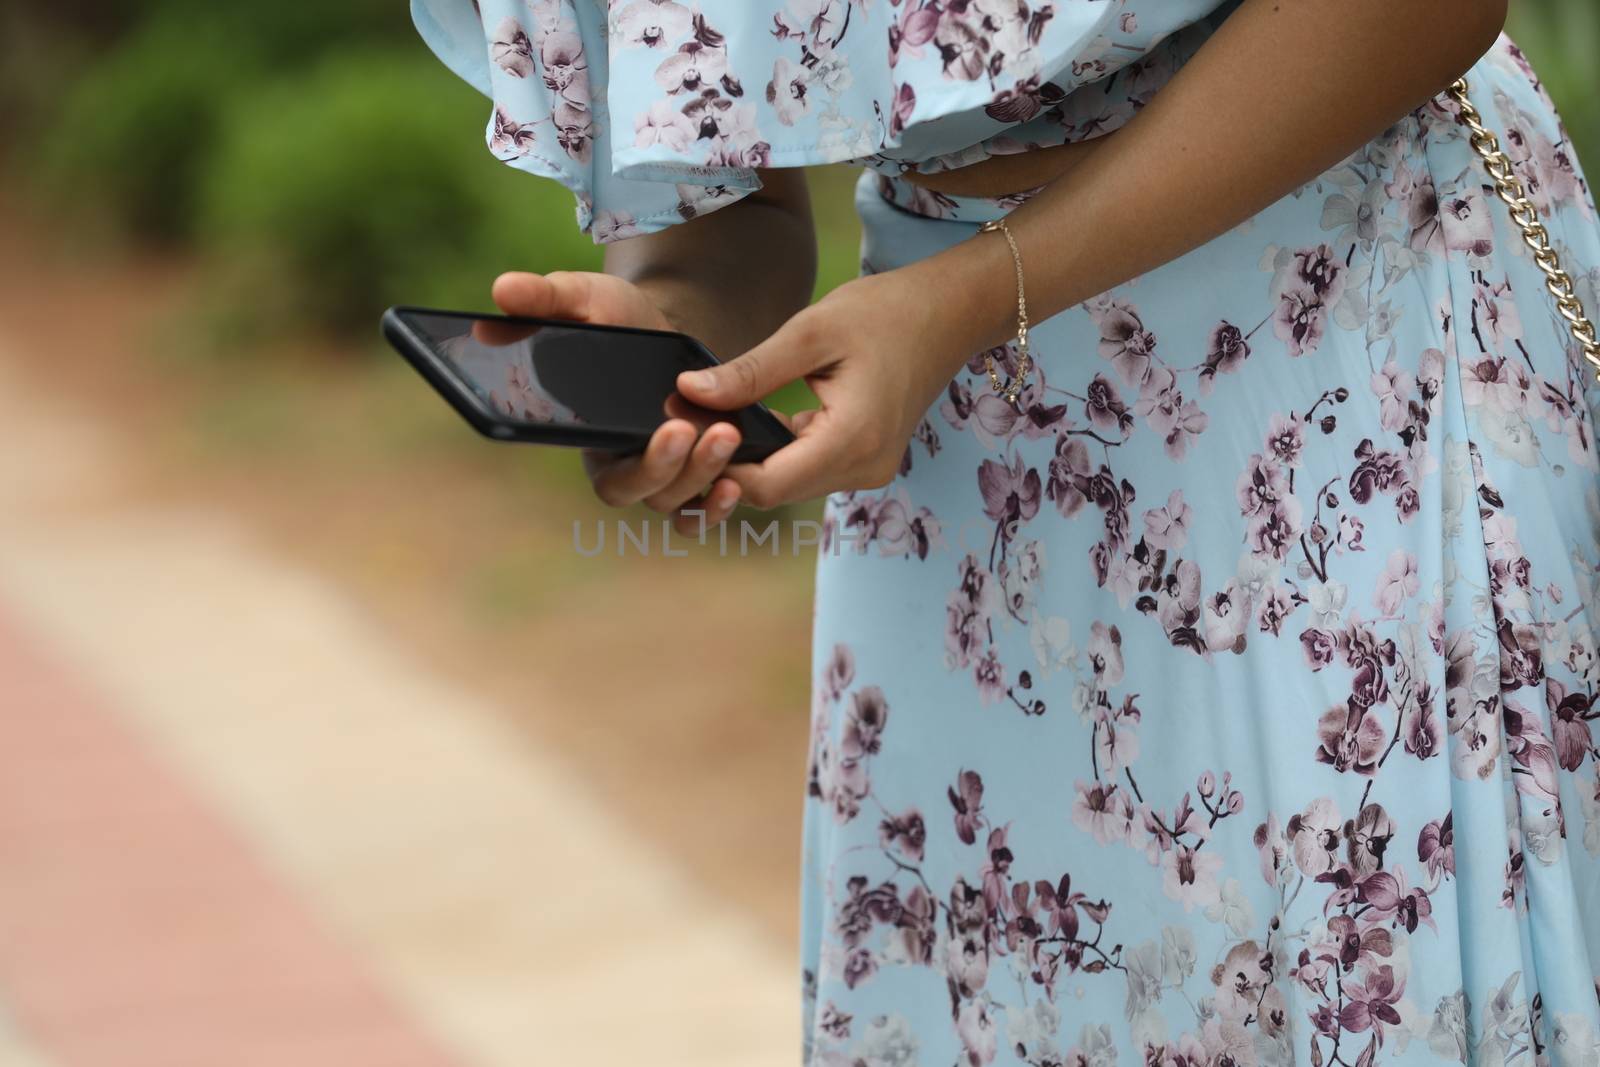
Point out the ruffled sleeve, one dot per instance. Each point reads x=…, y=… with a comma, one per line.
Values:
x=544, y=64
x=655, y=111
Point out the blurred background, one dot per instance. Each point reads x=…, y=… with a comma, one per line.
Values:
x=317, y=740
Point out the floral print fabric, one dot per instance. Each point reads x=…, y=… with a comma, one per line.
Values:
x=1235, y=702
x=655, y=111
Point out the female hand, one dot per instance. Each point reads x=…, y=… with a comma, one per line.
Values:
x=876, y=351
x=675, y=471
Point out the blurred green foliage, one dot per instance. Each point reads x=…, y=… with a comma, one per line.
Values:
x=322, y=163
x=357, y=184
x=127, y=137
x=317, y=158
x=128, y=147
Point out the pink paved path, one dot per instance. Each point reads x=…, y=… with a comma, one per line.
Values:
x=136, y=929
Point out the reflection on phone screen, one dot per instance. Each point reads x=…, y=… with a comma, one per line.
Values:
x=506, y=378
x=557, y=375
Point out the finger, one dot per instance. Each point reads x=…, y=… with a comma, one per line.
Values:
x=709, y=510
x=797, y=471
x=788, y=354
x=799, y=421
x=711, y=454
x=596, y=462
x=631, y=479
x=558, y=295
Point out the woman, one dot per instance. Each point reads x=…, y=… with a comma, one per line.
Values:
x=1215, y=681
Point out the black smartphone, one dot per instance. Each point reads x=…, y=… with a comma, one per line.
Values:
x=551, y=382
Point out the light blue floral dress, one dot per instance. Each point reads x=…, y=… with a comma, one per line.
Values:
x=1233, y=700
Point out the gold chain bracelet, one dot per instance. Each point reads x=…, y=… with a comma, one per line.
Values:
x=1510, y=189
x=1024, y=359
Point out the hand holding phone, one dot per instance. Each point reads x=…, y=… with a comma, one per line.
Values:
x=602, y=387
x=676, y=470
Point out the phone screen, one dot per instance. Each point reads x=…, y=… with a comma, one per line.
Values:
x=571, y=376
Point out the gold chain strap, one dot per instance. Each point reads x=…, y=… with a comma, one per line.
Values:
x=1526, y=216
x=1024, y=359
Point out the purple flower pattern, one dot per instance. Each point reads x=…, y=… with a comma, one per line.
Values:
x=1365, y=484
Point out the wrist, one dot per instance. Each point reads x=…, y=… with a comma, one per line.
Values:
x=977, y=306
x=676, y=301
x=702, y=308
x=688, y=307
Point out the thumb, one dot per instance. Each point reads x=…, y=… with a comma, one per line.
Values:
x=553, y=295
x=582, y=296
x=770, y=365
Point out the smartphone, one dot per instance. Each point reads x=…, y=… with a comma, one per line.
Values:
x=552, y=382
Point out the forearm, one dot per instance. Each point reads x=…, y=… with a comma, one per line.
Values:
x=1283, y=90
x=732, y=277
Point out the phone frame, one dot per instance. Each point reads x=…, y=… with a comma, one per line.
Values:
x=458, y=392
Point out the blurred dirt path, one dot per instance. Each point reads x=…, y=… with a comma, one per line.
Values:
x=480, y=882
